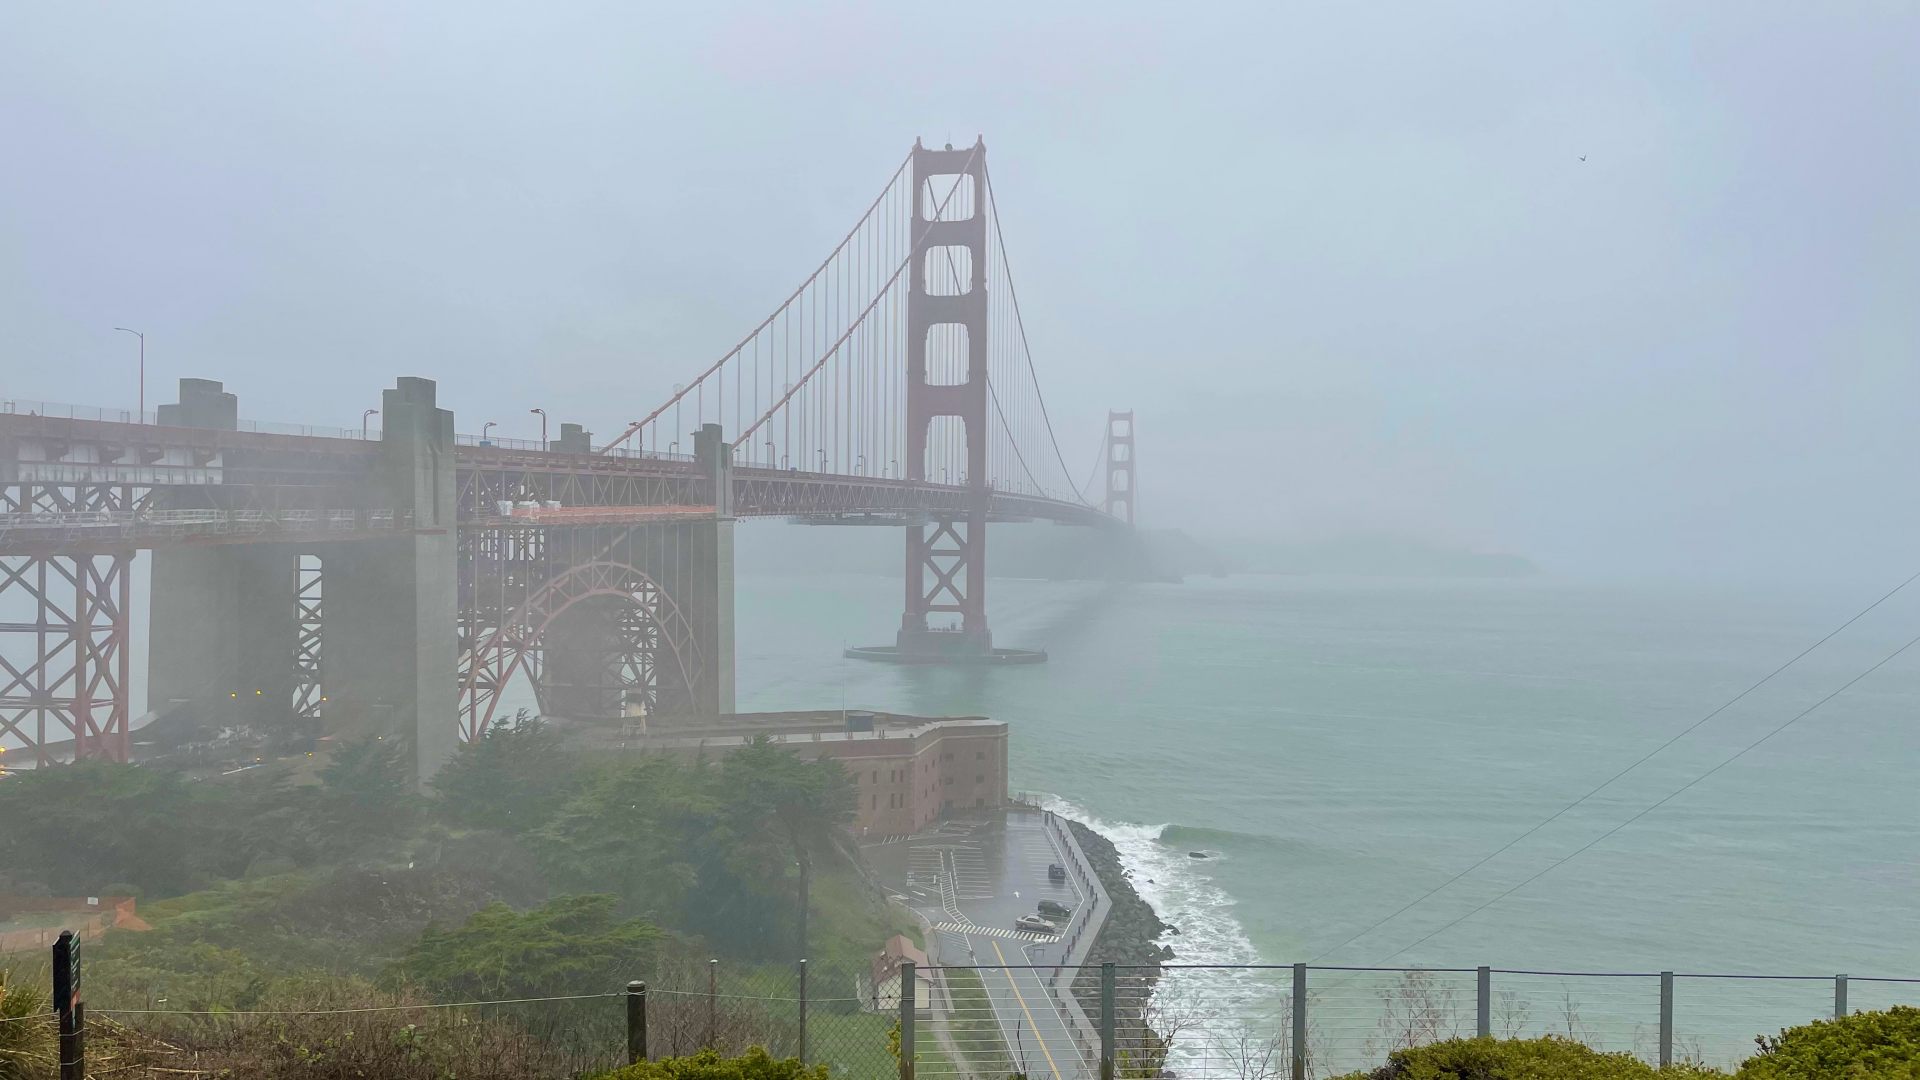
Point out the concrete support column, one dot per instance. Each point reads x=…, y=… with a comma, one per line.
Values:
x=391, y=603
x=708, y=603
x=221, y=634
x=221, y=621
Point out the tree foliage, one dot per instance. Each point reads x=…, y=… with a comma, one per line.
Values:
x=715, y=849
x=514, y=777
x=368, y=786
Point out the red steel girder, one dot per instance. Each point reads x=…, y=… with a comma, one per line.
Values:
x=64, y=671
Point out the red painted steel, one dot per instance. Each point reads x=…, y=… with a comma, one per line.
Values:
x=946, y=572
x=63, y=672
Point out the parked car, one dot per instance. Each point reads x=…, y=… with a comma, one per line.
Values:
x=1056, y=872
x=1054, y=909
x=1033, y=924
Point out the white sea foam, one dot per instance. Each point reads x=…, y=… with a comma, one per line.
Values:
x=1214, y=1005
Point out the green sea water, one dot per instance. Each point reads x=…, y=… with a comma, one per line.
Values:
x=1337, y=748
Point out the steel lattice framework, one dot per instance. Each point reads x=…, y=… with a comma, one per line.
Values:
x=308, y=674
x=69, y=699
x=652, y=660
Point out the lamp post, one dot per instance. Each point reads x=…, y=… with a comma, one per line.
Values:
x=141, y=415
x=363, y=421
x=484, y=428
x=543, y=426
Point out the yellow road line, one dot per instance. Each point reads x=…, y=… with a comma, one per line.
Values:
x=1015, y=987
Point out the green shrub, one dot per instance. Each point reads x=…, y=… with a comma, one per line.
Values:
x=755, y=1064
x=1864, y=1046
x=1520, y=1059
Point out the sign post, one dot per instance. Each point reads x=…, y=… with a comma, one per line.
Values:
x=67, y=1004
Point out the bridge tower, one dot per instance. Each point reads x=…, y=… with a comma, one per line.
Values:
x=946, y=571
x=1120, y=465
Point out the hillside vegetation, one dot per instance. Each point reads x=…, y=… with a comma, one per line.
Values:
x=525, y=871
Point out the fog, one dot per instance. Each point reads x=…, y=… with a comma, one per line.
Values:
x=1626, y=288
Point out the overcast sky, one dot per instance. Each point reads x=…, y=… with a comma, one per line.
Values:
x=1346, y=261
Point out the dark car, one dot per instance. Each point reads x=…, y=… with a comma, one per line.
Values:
x=1054, y=909
x=1056, y=872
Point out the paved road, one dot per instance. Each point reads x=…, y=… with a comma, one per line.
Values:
x=970, y=881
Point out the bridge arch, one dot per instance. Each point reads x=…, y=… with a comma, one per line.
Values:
x=650, y=646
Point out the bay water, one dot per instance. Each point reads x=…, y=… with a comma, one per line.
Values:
x=1337, y=748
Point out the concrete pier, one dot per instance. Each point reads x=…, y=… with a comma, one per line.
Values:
x=388, y=636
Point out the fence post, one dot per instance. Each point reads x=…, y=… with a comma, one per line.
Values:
x=713, y=988
x=1839, y=997
x=66, y=1000
x=908, y=977
x=803, y=1010
x=636, y=1022
x=1106, y=1021
x=1483, y=998
x=1666, y=1018
x=1299, y=1022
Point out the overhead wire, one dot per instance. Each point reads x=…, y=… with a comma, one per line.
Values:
x=1609, y=781
x=1676, y=793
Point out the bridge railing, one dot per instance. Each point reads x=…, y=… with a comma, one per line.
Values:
x=64, y=410
x=147, y=525
x=537, y=446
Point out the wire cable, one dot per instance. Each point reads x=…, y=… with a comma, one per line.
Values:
x=1609, y=781
x=993, y=205
x=1742, y=752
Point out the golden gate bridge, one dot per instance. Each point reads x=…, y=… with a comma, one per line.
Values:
x=314, y=580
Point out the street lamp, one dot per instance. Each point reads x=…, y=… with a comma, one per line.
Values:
x=363, y=421
x=484, y=428
x=141, y=416
x=823, y=459
x=543, y=426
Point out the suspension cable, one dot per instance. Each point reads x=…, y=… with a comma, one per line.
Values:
x=768, y=321
x=913, y=253
x=1019, y=321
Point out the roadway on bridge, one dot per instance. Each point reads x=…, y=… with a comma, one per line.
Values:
x=970, y=881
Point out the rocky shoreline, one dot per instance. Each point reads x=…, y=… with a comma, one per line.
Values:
x=1130, y=940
